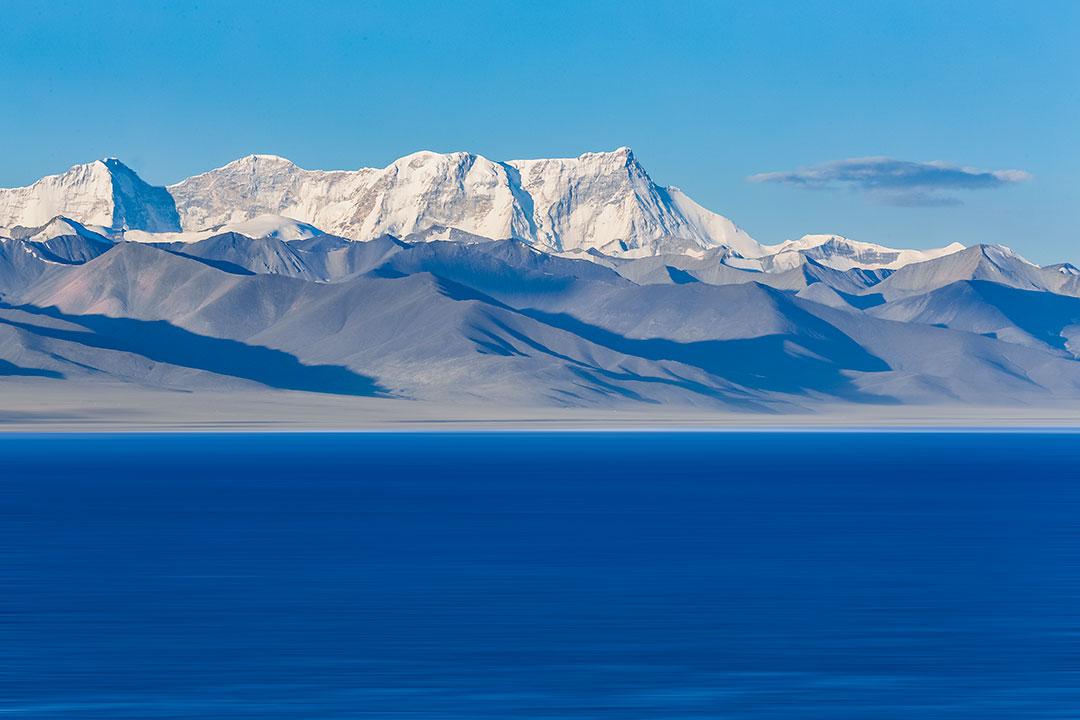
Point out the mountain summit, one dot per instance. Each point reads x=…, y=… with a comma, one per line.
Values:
x=457, y=280
x=103, y=193
x=594, y=201
x=597, y=205
x=600, y=201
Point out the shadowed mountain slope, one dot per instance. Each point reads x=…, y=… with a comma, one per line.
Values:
x=503, y=322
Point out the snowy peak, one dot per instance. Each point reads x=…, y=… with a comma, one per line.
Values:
x=1066, y=269
x=84, y=191
x=137, y=205
x=261, y=227
x=105, y=193
x=622, y=155
x=841, y=253
x=58, y=227
x=992, y=263
x=272, y=227
x=607, y=201
x=260, y=163
x=596, y=200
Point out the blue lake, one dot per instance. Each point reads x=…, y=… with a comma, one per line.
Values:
x=541, y=575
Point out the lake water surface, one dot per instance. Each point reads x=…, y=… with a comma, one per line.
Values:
x=541, y=575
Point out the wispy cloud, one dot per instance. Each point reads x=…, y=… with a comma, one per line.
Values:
x=896, y=182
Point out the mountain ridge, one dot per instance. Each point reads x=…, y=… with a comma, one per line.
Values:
x=596, y=202
x=501, y=321
x=621, y=293
x=105, y=193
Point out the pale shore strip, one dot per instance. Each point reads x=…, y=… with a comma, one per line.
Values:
x=41, y=406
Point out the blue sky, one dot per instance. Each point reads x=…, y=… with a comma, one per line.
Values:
x=709, y=95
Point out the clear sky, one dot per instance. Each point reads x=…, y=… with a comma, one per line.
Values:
x=707, y=94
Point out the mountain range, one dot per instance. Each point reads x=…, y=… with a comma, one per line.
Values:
x=457, y=279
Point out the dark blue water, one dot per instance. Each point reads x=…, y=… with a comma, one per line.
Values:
x=509, y=575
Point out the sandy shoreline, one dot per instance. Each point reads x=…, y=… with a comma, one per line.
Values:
x=44, y=406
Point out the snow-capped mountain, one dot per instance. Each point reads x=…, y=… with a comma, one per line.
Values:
x=572, y=281
x=992, y=263
x=597, y=200
x=105, y=193
x=843, y=253
x=597, y=204
x=272, y=227
x=1066, y=269
x=58, y=227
